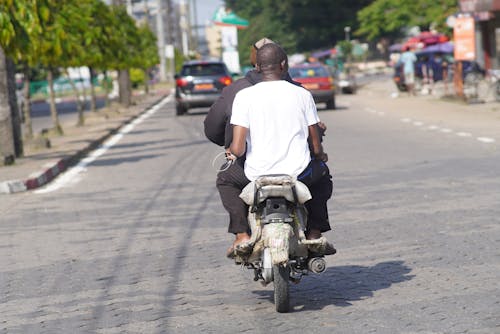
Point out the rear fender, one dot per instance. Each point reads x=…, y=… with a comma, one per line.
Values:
x=277, y=238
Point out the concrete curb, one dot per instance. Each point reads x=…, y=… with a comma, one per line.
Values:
x=50, y=173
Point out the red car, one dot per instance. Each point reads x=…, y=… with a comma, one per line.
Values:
x=318, y=80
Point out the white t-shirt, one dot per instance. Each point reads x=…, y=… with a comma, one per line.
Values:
x=277, y=115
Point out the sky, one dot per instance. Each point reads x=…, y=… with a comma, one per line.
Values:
x=206, y=9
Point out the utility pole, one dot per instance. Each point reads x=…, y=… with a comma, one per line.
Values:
x=195, y=26
x=129, y=8
x=184, y=27
x=160, y=34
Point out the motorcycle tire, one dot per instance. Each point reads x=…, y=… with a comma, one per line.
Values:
x=281, y=276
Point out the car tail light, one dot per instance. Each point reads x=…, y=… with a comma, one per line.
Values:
x=181, y=82
x=226, y=81
x=326, y=85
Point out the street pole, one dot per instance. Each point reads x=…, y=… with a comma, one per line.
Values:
x=195, y=25
x=161, y=41
x=347, y=30
x=129, y=8
x=184, y=27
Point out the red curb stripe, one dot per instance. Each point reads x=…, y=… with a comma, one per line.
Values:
x=46, y=176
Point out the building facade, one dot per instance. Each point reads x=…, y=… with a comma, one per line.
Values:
x=486, y=14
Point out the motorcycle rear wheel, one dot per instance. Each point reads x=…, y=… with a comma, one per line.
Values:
x=281, y=276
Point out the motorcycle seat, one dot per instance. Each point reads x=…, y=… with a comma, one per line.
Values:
x=267, y=186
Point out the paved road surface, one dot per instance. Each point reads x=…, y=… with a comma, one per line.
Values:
x=136, y=243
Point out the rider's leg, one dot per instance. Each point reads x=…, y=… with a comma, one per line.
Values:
x=317, y=219
x=319, y=181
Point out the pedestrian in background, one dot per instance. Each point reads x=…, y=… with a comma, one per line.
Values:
x=408, y=60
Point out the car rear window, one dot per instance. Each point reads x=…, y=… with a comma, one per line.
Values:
x=308, y=72
x=203, y=70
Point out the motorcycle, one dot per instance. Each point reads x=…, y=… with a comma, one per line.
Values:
x=278, y=250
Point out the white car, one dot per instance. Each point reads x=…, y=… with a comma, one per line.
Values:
x=347, y=83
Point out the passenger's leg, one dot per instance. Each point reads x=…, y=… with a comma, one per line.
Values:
x=230, y=183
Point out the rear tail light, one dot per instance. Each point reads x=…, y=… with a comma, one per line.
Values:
x=181, y=82
x=326, y=85
x=226, y=81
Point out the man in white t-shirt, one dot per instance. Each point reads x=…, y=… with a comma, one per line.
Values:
x=272, y=122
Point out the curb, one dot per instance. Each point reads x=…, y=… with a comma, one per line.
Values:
x=50, y=173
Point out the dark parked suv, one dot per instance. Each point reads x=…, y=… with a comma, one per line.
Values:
x=199, y=84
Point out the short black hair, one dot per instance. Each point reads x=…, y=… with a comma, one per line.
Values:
x=270, y=55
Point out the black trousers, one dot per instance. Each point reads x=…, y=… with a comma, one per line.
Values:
x=316, y=177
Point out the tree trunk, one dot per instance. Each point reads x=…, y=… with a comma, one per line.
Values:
x=28, y=125
x=79, y=103
x=106, y=86
x=124, y=88
x=7, y=150
x=52, y=100
x=93, y=103
x=15, y=113
x=146, y=81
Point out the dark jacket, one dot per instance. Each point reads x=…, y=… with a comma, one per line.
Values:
x=218, y=127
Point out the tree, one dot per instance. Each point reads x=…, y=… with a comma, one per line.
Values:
x=7, y=148
x=148, y=52
x=98, y=36
x=385, y=18
x=125, y=89
x=297, y=25
x=17, y=19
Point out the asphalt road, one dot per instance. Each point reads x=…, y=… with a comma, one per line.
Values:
x=135, y=243
x=66, y=110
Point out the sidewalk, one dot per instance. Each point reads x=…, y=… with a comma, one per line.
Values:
x=41, y=165
x=481, y=119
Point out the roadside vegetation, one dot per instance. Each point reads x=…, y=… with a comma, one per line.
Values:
x=50, y=36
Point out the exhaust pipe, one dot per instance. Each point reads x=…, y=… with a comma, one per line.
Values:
x=316, y=265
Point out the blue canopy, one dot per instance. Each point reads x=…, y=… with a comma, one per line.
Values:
x=437, y=48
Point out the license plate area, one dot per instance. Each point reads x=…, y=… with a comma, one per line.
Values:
x=204, y=86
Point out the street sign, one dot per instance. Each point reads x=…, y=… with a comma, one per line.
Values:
x=169, y=51
x=464, y=35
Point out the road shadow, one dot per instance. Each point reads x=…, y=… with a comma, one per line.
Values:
x=342, y=285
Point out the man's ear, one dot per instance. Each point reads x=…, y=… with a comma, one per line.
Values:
x=284, y=65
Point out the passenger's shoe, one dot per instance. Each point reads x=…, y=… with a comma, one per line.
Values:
x=323, y=248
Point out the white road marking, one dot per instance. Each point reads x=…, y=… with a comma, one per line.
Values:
x=69, y=176
x=464, y=134
x=486, y=139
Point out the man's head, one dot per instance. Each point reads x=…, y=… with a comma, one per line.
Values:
x=271, y=58
x=253, y=52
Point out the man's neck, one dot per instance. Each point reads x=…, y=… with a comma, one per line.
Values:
x=271, y=76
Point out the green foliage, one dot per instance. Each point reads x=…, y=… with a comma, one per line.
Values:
x=62, y=33
x=390, y=17
x=297, y=25
x=137, y=77
x=179, y=60
x=148, y=49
